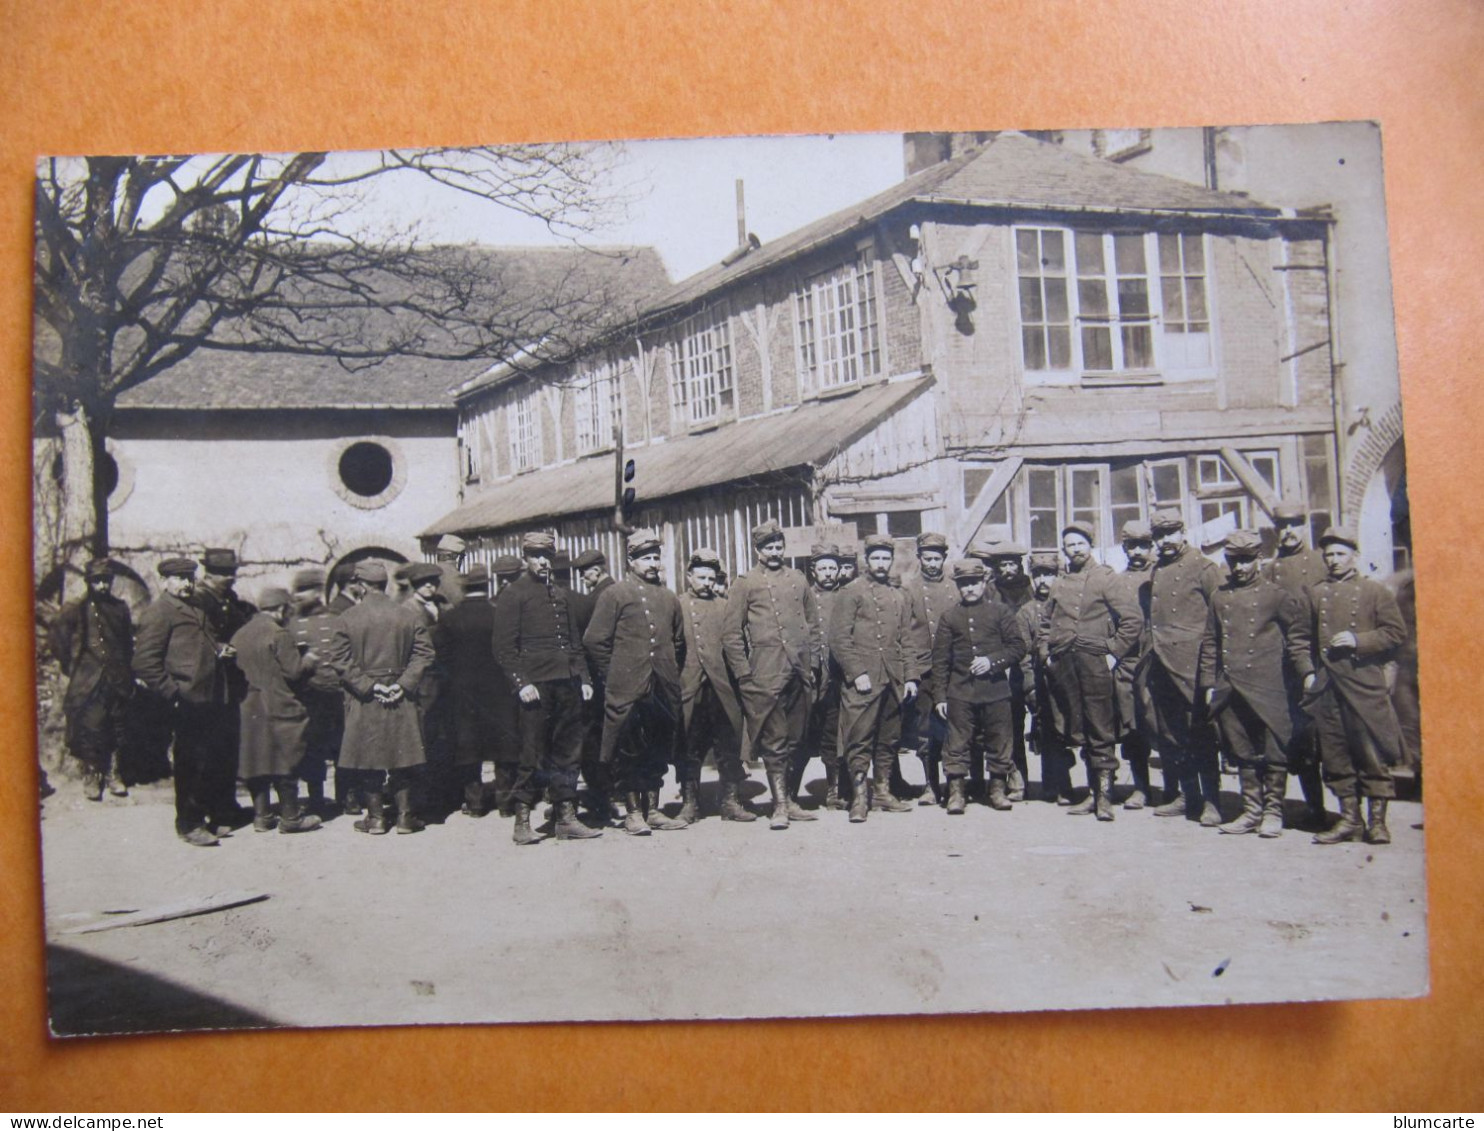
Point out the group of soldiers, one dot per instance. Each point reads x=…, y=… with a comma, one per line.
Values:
x=1278, y=666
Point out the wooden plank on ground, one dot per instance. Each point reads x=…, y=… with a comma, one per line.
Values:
x=176, y=909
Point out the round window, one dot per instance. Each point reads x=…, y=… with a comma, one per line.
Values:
x=366, y=468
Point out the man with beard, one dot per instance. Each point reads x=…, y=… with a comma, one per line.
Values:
x=1048, y=729
x=1005, y=562
x=635, y=642
x=1255, y=627
x=932, y=594
x=1180, y=590
x=313, y=628
x=1353, y=628
x=710, y=711
x=850, y=564
x=177, y=658
x=592, y=567
x=424, y=579
x=93, y=641
x=1295, y=568
x=771, y=636
x=872, y=639
x=1090, y=625
x=1138, y=550
x=822, y=734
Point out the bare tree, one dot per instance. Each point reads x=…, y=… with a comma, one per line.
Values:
x=143, y=261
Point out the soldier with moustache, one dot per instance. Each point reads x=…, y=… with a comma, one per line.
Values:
x=536, y=643
x=592, y=567
x=216, y=596
x=312, y=626
x=1048, y=728
x=1295, y=567
x=474, y=683
x=504, y=703
x=636, y=642
x=1009, y=585
x=822, y=733
x=177, y=658
x=1353, y=629
x=1180, y=590
x=1254, y=634
x=434, y=706
x=711, y=713
x=1138, y=552
x=771, y=637
x=872, y=639
x=978, y=645
x=932, y=594
x=92, y=639
x=1090, y=625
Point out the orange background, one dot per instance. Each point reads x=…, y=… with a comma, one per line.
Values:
x=271, y=75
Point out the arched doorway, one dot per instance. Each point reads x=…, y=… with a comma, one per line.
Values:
x=1385, y=516
x=389, y=558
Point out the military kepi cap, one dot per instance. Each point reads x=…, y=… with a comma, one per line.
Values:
x=642, y=542
x=220, y=561
x=704, y=556
x=1077, y=526
x=274, y=597
x=421, y=572
x=765, y=532
x=177, y=567
x=507, y=565
x=822, y=550
x=1137, y=530
x=1289, y=512
x=308, y=579
x=538, y=542
x=1345, y=535
x=1243, y=544
x=969, y=569
x=1047, y=560
x=372, y=572
x=589, y=558
x=875, y=542
x=932, y=540
x=1166, y=519
x=98, y=568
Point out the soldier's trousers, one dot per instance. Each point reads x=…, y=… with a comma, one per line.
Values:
x=96, y=730
x=775, y=722
x=709, y=727
x=197, y=766
x=1352, y=761
x=1245, y=738
x=993, y=722
x=870, y=727
x=822, y=732
x=922, y=729
x=1185, y=739
x=1082, y=686
x=639, y=737
x=597, y=776
x=550, y=743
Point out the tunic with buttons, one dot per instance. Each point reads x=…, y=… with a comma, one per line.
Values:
x=705, y=662
x=1251, y=631
x=871, y=634
x=1135, y=586
x=535, y=635
x=1295, y=572
x=1180, y=593
x=1088, y=611
x=930, y=600
x=771, y=630
x=989, y=629
x=636, y=635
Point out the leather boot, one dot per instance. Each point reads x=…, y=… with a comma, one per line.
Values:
x=778, y=787
x=998, y=795
x=1249, y=820
x=690, y=802
x=1138, y=768
x=1348, y=827
x=1210, y=784
x=1175, y=804
x=633, y=821
x=1376, y=831
x=796, y=811
x=883, y=799
x=1015, y=787
x=732, y=808
x=1090, y=802
x=474, y=803
x=295, y=819
x=116, y=786
x=1274, y=786
x=352, y=803
x=956, y=797
x=832, y=788
x=374, y=822
x=523, y=833
x=1104, y=807
x=860, y=800
x=92, y=785
x=264, y=820
x=566, y=824
x=1316, y=817
x=932, y=794
x=655, y=816
x=407, y=820
x=314, y=797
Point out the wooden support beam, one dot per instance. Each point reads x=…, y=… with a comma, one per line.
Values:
x=989, y=494
x=1255, y=484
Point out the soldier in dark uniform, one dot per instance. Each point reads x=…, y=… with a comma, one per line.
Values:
x=822, y=732
x=274, y=720
x=225, y=612
x=592, y=567
x=1254, y=635
x=977, y=645
x=474, y=683
x=1180, y=591
x=872, y=639
x=636, y=642
x=504, y=702
x=1005, y=561
x=932, y=594
x=850, y=564
x=1048, y=736
x=771, y=637
x=711, y=713
x=1295, y=567
x=1090, y=624
x=178, y=659
x=1353, y=628
x=1138, y=550
x=313, y=627
x=340, y=578
x=536, y=643
x=92, y=639
x=434, y=706
x=380, y=649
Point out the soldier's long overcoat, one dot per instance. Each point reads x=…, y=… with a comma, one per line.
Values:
x=636, y=636
x=379, y=641
x=175, y=653
x=705, y=662
x=771, y=630
x=1253, y=633
x=274, y=718
x=1180, y=593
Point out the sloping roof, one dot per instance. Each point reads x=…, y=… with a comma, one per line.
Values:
x=534, y=288
x=804, y=436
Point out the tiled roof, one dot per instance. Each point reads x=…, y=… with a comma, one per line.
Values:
x=583, y=281
x=804, y=436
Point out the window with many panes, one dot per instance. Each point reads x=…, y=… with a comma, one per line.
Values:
x=701, y=379
x=1112, y=303
x=595, y=400
x=525, y=431
x=839, y=325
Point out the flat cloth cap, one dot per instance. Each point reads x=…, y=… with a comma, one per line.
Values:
x=932, y=540
x=879, y=542
x=821, y=550
x=422, y=572
x=969, y=569
x=1166, y=519
x=1079, y=527
x=403, y=572
x=371, y=572
x=765, y=532
x=1346, y=535
x=642, y=542
x=984, y=551
x=1243, y=544
x=507, y=565
x=177, y=567
x=589, y=558
x=308, y=579
x=219, y=561
x=476, y=575
x=1047, y=560
x=537, y=542
x=1137, y=530
x=704, y=556
x=98, y=567
x=1287, y=512
x=274, y=597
